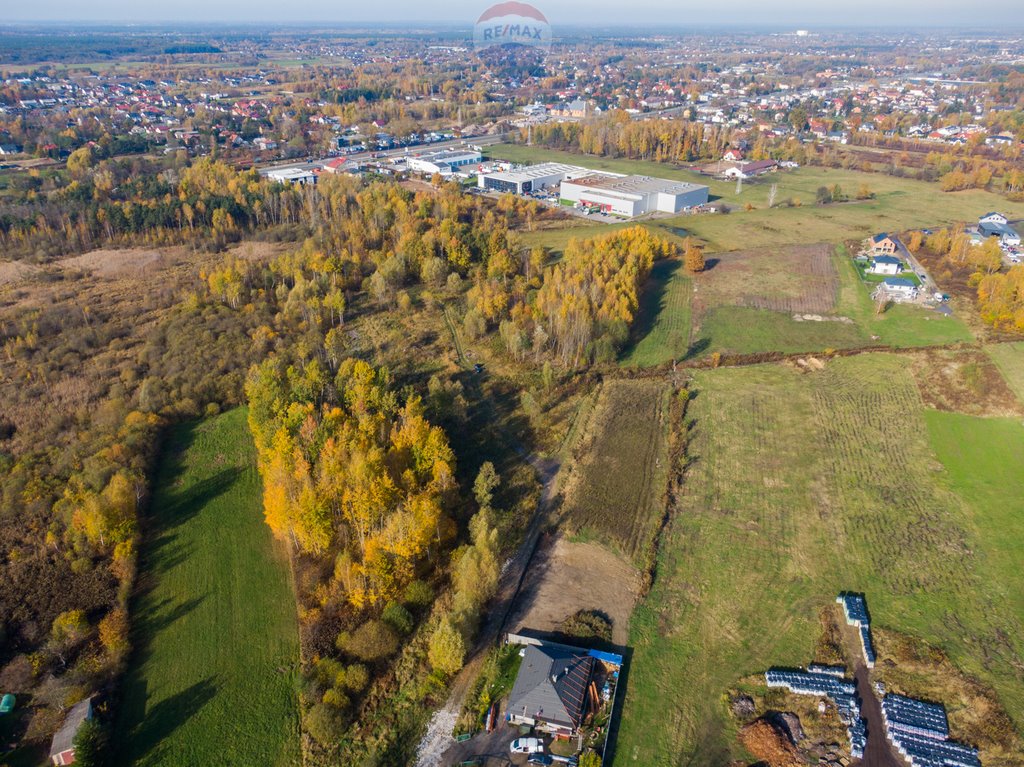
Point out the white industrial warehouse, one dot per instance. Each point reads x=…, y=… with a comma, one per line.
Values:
x=633, y=195
x=531, y=178
x=443, y=162
x=612, y=193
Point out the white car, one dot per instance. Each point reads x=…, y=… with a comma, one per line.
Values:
x=526, y=746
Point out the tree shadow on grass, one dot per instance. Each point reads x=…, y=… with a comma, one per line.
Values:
x=698, y=347
x=148, y=736
x=173, y=509
x=652, y=301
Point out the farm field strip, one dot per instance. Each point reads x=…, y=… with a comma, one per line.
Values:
x=617, y=486
x=663, y=323
x=1009, y=358
x=804, y=484
x=213, y=675
x=750, y=301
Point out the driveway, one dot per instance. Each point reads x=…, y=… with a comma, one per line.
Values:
x=928, y=286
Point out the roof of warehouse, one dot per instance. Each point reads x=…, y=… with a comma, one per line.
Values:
x=637, y=184
x=531, y=172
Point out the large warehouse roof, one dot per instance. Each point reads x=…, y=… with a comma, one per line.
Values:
x=641, y=185
x=532, y=172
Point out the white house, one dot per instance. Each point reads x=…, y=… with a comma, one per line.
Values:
x=889, y=265
x=898, y=289
x=994, y=218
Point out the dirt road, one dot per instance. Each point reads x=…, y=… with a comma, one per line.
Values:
x=438, y=738
x=878, y=753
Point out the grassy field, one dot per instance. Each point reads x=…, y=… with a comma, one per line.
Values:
x=804, y=484
x=661, y=332
x=1010, y=360
x=740, y=325
x=616, y=489
x=213, y=675
x=898, y=203
x=735, y=307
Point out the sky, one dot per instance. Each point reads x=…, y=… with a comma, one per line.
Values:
x=997, y=15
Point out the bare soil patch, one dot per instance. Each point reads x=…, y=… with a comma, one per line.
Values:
x=567, y=576
x=798, y=279
x=13, y=272
x=963, y=381
x=133, y=262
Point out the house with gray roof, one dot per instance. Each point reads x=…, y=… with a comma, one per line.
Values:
x=62, y=749
x=550, y=691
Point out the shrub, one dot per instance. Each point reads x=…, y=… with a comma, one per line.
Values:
x=90, y=744
x=372, y=641
x=447, y=648
x=324, y=723
x=588, y=624
x=356, y=677
x=398, y=618
x=418, y=595
x=337, y=698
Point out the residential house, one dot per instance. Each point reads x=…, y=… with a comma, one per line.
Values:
x=751, y=169
x=898, y=289
x=551, y=689
x=1007, y=234
x=733, y=155
x=884, y=245
x=8, y=149
x=994, y=218
x=62, y=749
x=889, y=265
x=577, y=108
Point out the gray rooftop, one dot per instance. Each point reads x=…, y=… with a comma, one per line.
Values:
x=552, y=685
x=637, y=185
x=64, y=739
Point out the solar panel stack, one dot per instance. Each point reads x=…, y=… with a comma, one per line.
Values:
x=920, y=732
x=828, y=682
x=856, y=611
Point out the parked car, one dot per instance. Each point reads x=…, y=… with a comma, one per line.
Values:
x=526, y=746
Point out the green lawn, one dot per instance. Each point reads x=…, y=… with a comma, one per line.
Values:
x=747, y=330
x=662, y=327
x=804, y=484
x=213, y=676
x=1009, y=358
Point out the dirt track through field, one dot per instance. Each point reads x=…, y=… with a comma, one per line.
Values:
x=878, y=752
x=438, y=738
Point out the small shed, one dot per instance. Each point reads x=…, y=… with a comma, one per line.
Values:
x=62, y=749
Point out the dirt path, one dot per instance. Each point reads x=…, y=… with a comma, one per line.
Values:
x=878, y=752
x=438, y=738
